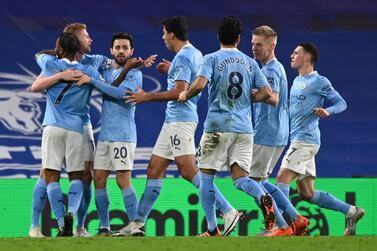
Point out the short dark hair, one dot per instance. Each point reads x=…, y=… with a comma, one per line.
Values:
x=178, y=25
x=312, y=50
x=69, y=42
x=123, y=35
x=229, y=30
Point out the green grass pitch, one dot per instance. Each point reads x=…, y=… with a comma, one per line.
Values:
x=317, y=243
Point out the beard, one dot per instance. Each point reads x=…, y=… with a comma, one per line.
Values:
x=121, y=61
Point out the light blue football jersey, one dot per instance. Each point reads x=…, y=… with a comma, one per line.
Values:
x=272, y=123
x=117, y=117
x=231, y=75
x=100, y=63
x=184, y=66
x=309, y=92
x=66, y=104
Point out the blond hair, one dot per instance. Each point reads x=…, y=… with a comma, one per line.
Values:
x=267, y=32
x=74, y=27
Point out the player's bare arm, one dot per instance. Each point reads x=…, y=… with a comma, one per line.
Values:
x=196, y=87
x=273, y=100
x=42, y=82
x=134, y=63
x=262, y=94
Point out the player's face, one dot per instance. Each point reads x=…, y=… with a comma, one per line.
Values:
x=167, y=37
x=261, y=48
x=85, y=40
x=121, y=51
x=298, y=58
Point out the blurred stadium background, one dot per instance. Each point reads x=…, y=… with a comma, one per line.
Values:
x=345, y=32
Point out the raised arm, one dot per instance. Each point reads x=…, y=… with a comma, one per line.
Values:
x=133, y=63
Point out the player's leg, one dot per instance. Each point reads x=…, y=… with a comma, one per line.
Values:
x=155, y=172
x=240, y=157
x=290, y=168
x=102, y=167
x=160, y=160
x=323, y=199
x=55, y=196
x=74, y=162
x=88, y=153
x=123, y=179
x=212, y=158
x=264, y=159
x=156, y=169
x=123, y=163
x=293, y=166
x=38, y=202
x=263, y=163
x=208, y=200
x=183, y=148
x=53, y=150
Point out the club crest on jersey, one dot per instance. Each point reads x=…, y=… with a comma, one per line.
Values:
x=302, y=85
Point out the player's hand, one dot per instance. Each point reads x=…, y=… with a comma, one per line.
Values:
x=70, y=75
x=182, y=97
x=150, y=61
x=163, y=66
x=320, y=112
x=132, y=63
x=85, y=79
x=135, y=97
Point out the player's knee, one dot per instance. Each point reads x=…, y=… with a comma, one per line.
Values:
x=187, y=174
x=284, y=176
x=99, y=179
x=154, y=174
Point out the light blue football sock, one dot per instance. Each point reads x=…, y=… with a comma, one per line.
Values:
x=39, y=200
x=102, y=204
x=251, y=187
x=130, y=202
x=284, y=188
x=221, y=203
x=149, y=197
x=280, y=221
x=85, y=203
x=326, y=200
x=74, y=196
x=55, y=196
x=281, y=200
x=208, y=198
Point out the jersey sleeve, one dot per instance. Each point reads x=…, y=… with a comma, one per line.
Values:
x=327, y=91
x=206, y=68
x=183, y=69
x=273, y=80
x=101, y=62
x=46, y=63
x=133, y=80
x=259, y=78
